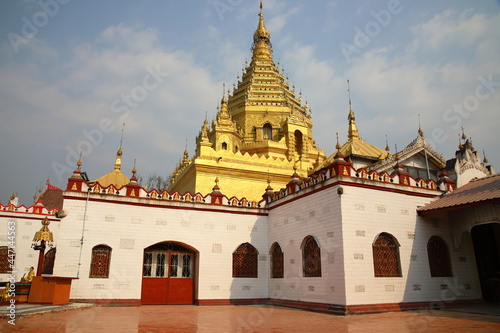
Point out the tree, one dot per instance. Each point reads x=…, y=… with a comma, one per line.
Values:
x=154, y=181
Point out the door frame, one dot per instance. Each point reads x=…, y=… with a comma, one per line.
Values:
x=172, y=247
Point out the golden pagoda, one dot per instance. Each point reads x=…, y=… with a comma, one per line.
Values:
x=261, y=132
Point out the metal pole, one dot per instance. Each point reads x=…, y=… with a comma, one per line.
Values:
x=427, y=164
x=83, y=231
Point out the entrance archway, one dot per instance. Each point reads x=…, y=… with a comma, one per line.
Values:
x=168, y=274
x=486, y=241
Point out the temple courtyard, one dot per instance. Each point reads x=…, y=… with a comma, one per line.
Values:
x=233, y=318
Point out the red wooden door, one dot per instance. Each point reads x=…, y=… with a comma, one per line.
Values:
x=167, y=277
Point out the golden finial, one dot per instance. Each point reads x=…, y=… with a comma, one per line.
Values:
x=134, y=170
x=353, y=129
x=121, y=142
x=349, y=93
x=119, y=153
x=460, y=145
x=387, y=148
x=79, y=162
x=34, y=195
x=485, y=160
x=397, y=153
x=337, y=146
x=464, y=137
x=420, y=132
x=262, y=34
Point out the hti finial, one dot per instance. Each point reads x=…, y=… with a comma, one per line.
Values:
x=485, y=160
x=349, y=93
x=464, y=137
x=387, y=148
x=79, y=162
x=134, y=170
x=121, y=139
x=419, y=128
x=397, y=153
x=337, y=146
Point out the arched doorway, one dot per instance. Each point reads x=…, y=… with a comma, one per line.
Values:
x=486, y=241
x=168, y=274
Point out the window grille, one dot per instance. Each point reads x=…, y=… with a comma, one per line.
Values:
x=186, y=266
x=439, y=257
x=180, y=265
x=160, y=264
x=5, y=263
x=101, y=258
x=148, y=264
x=276, y=261
x=386, y=257
x=245, y=261
x=311, y=258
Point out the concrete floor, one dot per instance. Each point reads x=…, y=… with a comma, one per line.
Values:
x=231, y=318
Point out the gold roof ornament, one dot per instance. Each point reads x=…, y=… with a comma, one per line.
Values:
x=185, y=158
x=115, y=177
x=355, y=145
x=460, y=145
x=44, y=234
x=485, y=160
x=262, y=47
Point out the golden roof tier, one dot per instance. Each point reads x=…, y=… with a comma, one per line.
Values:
x=115, y=177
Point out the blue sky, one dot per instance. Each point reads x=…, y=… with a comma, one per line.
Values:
x=71, y=72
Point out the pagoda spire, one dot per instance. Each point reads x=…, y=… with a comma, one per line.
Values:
x=262, y=47
x=353, y=129
x=119, y=153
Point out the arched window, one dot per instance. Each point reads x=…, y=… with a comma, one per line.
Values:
x=439, y=257
x=386, y=256
x=245, y=261
x=276, y=261
x=101, y=258
x=298, y=142
x=267, y=131
x=224, y=146
x=311, y=257
x=6, y=262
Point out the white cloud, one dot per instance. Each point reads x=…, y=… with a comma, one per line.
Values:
x=449, y=29
x=82, y=91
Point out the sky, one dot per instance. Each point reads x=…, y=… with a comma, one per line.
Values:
x=72, y=72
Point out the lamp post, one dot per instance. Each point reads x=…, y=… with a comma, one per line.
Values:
x=42, y=238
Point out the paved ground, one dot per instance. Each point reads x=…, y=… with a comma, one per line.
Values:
x=189, y=318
